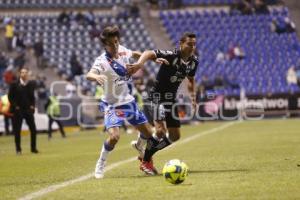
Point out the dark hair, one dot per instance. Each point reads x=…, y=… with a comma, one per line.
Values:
x=26, y=68
x=187, y=35
x=109, y=31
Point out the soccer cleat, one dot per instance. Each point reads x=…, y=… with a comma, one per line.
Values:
x=99, y=170
x=148, y=168
x=140, y=150
x=35, y=151
x=153, y=168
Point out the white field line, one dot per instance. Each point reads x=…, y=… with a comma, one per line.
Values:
x=55, y=187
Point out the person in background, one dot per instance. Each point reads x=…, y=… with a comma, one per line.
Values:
x=53, y=111
x=6, y=112
x=39, y=51
x=9, y=34
x=291, y=76
x=21, y=97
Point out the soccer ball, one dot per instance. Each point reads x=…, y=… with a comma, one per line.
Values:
x=175, y=171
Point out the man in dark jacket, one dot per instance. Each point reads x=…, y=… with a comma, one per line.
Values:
x=21, y=97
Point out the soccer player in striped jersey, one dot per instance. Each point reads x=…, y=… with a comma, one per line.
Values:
x=178, y=64
x=109, y=70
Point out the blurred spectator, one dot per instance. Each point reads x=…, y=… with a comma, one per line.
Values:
x=120, y=11
x=298, y=76
x=218, y=82
x=39, y=51
x=73, y=22
x=9, y=34
x=53, y=111
x=150, y=83
x=206, y=83
x=235, y=51
x=230, y=81
x=163, y=4
x=173, y=4
x=134, y=10
x=95, y=32
x=155, y=4
x=242, y=6
x=221, y=56
x=42, y=92
x=41, y=87
x=76, y=67
x=5, y=110
x=64, y=18
x=18, y=42
x=9, y=76
x=260, y=7
x=70, y=90
x=6, y=20
x=20, y=60
x=201, y=98
x=79, y=18
x=90, y=18
x=3, y=61
x=283, y=25
x=291, y=76
x=297, y=70
x=2, y=25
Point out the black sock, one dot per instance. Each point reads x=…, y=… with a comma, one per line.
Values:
x=153, y=146
x=149, y=151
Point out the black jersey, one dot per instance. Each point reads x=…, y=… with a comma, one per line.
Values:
x=170, y=76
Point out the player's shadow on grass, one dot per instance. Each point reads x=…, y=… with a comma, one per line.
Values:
x=217, y=171
x=190, y=172
x=137, y=176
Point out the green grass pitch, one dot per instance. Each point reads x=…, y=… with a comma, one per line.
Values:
x=248, y=160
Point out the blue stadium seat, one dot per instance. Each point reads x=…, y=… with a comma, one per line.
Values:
x=268, y=54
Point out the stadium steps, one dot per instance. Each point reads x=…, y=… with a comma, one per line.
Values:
x=48, y=72
x=155, y=28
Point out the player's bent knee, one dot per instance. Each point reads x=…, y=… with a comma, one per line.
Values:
x=114, y=139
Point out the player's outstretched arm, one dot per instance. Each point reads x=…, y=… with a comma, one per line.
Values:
x=146, y=55
x=93, y=75
x=136, y=54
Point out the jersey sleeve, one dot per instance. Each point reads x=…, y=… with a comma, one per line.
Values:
x=128, y=52
x=163, y=54
x=98, y=65
x=194, y=68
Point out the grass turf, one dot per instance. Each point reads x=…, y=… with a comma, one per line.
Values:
x=249, y=160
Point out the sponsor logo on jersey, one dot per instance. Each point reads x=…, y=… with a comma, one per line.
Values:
x=173, y=79
x=113, y=120
x=120, y=113
x=193, y=65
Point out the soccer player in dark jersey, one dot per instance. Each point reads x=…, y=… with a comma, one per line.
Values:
x=176, y=66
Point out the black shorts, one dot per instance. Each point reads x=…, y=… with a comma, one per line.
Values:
x=166, y=111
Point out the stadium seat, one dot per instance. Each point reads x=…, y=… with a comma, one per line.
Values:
x=268, y=54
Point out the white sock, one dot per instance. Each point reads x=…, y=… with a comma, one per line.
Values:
x=104, y=153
